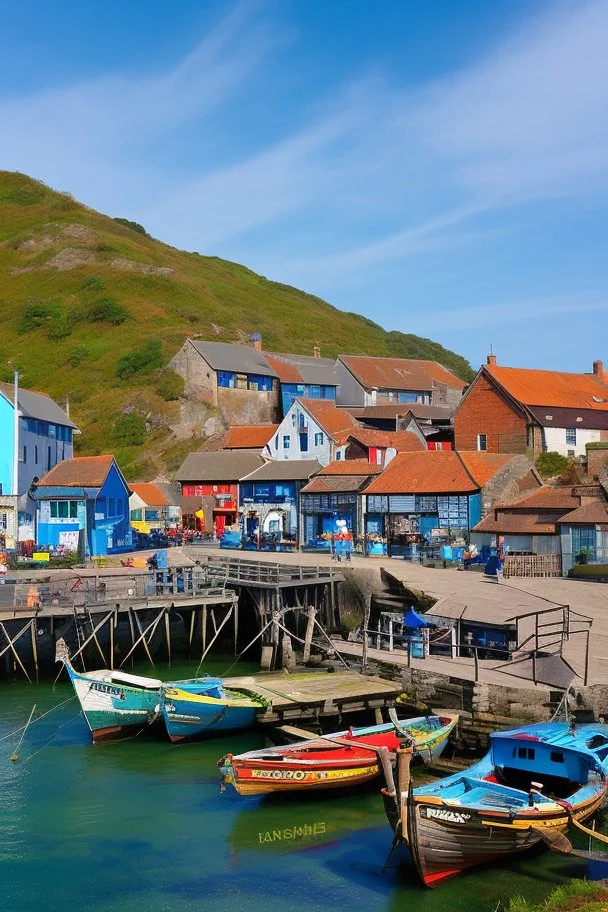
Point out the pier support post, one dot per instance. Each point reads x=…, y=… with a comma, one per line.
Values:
x=310, y=626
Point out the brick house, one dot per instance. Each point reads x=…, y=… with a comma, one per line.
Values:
x=514, y=410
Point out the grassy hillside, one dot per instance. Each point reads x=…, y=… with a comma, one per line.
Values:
x=79, y=291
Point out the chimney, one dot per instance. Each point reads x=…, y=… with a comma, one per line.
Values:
x=317, y=352
x=491, y=360
x=598, y=370
x=257, y=341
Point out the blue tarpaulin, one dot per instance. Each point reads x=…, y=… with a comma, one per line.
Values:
x=414, y=620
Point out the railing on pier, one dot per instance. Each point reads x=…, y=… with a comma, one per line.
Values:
x=239, y=571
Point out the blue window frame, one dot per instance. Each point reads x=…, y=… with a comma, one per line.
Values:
x=226, y=379
x=286, y=442
x=304, y=441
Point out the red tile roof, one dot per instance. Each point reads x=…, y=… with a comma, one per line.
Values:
x=551, y=388
x=81, y=471
x=484, y=466
x=428, y=472
x=399, y=373
x=334, y=421
x=248, y=437
x=402, y=441
x=545, y=498
x=593, y=513
x=150, y=494
x=516, y=524
x=351, y=467
x=287, y=373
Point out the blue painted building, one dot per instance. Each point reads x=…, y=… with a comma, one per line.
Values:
x=83, y=505
x=304, y=377
x=45, y=434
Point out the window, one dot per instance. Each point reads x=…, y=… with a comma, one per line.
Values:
x=338, y=455
x=24, y=454
x=4, y=521
x=52, y=431
x=482, y=442
x=241, y=381
x=49, y=464
x=286, y=442
x=557, y=757
x=526, y=753
x=73, y=509
x=54, y=512
x=304, y=442
x=225, y=379
x=571, y=436
x=36, y=455
x=318, y=440
x=136, y=515
x=276, y=442
x=64, y=509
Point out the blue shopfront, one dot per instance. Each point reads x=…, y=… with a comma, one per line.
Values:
x=269, y=520
x=325, y=516
x=399, y=524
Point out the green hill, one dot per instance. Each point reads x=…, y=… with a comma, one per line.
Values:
x=80, y=291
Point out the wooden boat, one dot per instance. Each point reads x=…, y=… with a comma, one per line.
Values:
x=117, y=704
x=532, y=785
x=189, y=713
x=343, y=759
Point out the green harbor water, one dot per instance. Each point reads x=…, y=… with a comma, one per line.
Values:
x=141, y=826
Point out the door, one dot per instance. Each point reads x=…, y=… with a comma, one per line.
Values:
x=220, y=525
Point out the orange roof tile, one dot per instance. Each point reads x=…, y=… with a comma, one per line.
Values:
x=351, y=467
x=287, y=373
x=551, y=388
x=516, y=524
x=548, y=497
x=593, y=513
x=248, y=437
x=399, y=373
x=429, y=472
x=333, y=420
x=149, y=493
x=81, y=471
x=402, y=441
x=484, y=466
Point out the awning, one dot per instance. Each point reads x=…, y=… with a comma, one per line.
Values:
x=412, y=619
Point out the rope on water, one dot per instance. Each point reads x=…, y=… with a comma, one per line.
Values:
x=15, y=755
x=47, y=713
x=53, y=736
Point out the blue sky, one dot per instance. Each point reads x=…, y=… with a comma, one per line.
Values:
x=440, y=167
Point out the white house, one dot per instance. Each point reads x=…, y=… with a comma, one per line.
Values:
x=312, y=429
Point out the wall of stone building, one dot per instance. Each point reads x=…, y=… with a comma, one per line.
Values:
x=486, y=411
x=199, y=377
x=515, y=478
x=443, y=394
x=239, y=406
x=597, y=462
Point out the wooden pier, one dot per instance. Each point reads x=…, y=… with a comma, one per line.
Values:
x=317, y=695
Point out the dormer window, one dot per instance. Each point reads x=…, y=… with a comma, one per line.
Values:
x=579, y=418
x=548, y=417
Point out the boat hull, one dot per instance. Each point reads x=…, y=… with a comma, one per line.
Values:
x=252, y=779
x=113, y=711
x=191, y=716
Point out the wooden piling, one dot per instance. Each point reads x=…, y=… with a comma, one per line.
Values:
x=168, y=634
x=34, y=647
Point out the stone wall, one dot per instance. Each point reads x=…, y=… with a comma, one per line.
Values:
x=199, y=378
x=516, y=477
x=239, y=406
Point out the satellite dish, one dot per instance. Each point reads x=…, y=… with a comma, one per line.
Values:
x=391, y=452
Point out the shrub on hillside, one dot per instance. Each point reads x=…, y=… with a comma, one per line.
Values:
x=93, y=283
x=134, y=226
x=39, y=315
x=551, y=464
x=77, y=355
x=108, y=310
x=169, y=385
x=140, y=360
x=130, y=429
x=60, y=328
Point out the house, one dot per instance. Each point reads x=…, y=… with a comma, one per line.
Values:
x=380, y=447
x=563, y=520
x=365, y=381
x=248, y=437
x=312, y=429
x=209, y=484
x=237, y=379
x=268, y=498
x=512, y=410
x=83, y=505
x=154, y=507
x=44, y=438
x=438, y=495
x=331, y=499
x=304, y=377
x=387, y=417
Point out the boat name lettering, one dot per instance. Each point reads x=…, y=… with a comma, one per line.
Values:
x=108, y=689
x=444, y=814
x=278, y=774
x=295, y=832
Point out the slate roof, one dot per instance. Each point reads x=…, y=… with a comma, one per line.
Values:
x=81, y=471
x=284, y=470
x=351, y=467
x=399, y=373
x=551, y=388
x=484, y=466
x=221, y=466
x=334, y=421
x=229, y=356
x=550, y=416
x=248, y=437
x=401, y=409
x=304, y=368
x=427, y=472
x=37, y=405
x=335, y=484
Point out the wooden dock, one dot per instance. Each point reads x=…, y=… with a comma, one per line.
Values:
x=316, y=695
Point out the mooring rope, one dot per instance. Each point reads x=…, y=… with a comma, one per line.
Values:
x=52, y=738
x=47, y=713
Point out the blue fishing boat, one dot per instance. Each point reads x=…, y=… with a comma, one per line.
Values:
x=194, y=713
x=534, y=783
